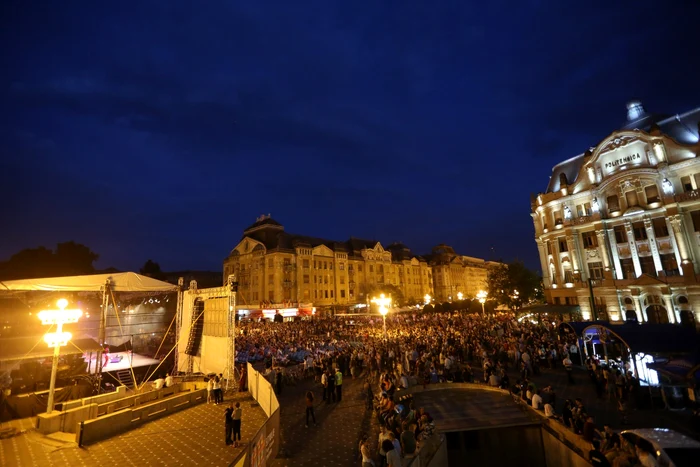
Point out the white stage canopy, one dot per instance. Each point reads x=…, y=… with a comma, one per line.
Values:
x=118, y=282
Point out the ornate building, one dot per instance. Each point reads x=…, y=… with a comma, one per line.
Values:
x=277, y=267
x=454, y=274
x=618, y=228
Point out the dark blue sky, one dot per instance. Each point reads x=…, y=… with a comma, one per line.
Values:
x=147, y=131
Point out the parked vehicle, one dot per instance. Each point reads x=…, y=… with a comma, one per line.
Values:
x=670, y=448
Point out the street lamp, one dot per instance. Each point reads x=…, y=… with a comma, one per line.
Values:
x=427, y=299
x=57, y=339
x=460, y=296
x=482, y=299
x=383, y=302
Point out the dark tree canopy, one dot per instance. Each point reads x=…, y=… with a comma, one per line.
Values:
x=69, y=259
x=505, y=280
x=152, y=269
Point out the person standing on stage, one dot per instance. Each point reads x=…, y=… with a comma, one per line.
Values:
x=236, y=424
x=228, y=420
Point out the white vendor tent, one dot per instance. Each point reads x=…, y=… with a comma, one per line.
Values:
x=118, y=282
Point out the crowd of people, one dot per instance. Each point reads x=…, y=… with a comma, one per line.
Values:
x=427, y=348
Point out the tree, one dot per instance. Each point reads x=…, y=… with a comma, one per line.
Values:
x=374, y=290
x=69, y=259
x=505, y=280
x=152, y=269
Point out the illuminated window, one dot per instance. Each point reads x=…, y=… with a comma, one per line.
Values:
x=687, y=184
x=589, y=240
x=660, y=227
x=562, y=245
x=620, y=234
x=595, y=270
x=613, y=203
x=652, y=194
x=640, y=233
x=305, y=263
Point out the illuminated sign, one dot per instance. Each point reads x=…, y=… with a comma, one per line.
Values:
x=622, y=161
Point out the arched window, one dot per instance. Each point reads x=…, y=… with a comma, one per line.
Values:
x=656, y=314
x=682, y=300
x=628, y=301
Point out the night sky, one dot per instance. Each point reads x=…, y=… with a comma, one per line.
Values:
x=146, y=131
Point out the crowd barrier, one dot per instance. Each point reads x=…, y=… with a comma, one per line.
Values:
x=91, y=431
x=265, y=444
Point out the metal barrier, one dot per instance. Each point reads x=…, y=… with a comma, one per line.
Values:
x=265, y=444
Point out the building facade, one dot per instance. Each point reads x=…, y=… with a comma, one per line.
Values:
x=454, y=274
x=618, y=227
x=275, y=267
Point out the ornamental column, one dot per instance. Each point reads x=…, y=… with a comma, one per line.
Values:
x=678, y=234
x=559, y=272
x=573, y=254
x=615, y=254
x=543, y=262
x=669, y=309
x=651, y=237
x=675, y=245
x=600, y=234
x=633, y=249
x=641, y=314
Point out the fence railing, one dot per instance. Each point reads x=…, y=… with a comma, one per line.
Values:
x=266, y=442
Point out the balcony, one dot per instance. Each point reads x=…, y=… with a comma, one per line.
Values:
x=687, y=196
x=581, y=220
x=643, y=247
x=287, y=284
x=289, y=267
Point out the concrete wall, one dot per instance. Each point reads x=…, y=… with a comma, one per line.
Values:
x=66, y=420
x=127, y=419
x=99, y=399
x=564, y=448
x=486, y=447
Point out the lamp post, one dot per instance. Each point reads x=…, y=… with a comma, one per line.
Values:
x=383, y=302
x=460, y=296
x=427, y=299
x=57, y=339
x=482, y=299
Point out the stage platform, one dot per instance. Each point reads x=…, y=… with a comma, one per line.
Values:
x=135, y=359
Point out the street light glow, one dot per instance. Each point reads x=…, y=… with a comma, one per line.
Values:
x=57, y=339
x=427, y=299
x=382, y=301
x=460, y=295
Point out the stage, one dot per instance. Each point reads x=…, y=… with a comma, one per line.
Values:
x=120, y=361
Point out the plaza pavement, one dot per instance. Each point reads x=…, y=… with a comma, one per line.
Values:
x=191, y=437
x=195, y=436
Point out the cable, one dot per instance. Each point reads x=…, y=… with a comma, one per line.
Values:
x=133, y=375
x=165, y=335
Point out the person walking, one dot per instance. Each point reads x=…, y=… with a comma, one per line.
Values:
x=210, y=390
x=569, y=365
x=236, y=416
x=228, y=421
x=215, y=390
x=310, y=408
x=339, y=384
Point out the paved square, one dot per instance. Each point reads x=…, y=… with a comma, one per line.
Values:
x=194, y=436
